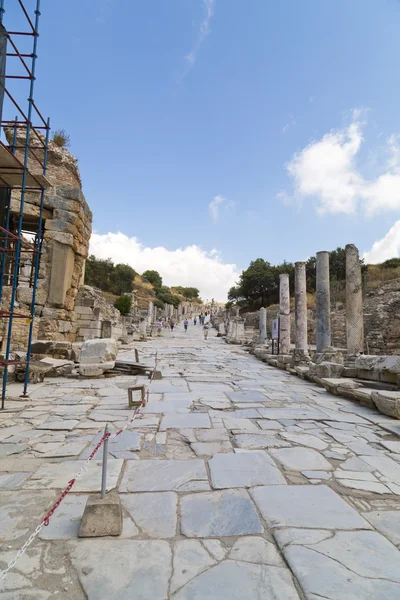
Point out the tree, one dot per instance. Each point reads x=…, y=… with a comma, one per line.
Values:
x=124, y=304
x=121, y=279
x=159, y=303
x=98, y=272
x=165, y=295
x=153, y=277
x=104, y=275
x=190, y=293
x=258, y=283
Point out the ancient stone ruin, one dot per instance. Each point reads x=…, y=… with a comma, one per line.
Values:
x=352, y=350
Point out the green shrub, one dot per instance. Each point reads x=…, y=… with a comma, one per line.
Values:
x=159, y=303
x=61, y=138
x=153, y=277
x=124, y=304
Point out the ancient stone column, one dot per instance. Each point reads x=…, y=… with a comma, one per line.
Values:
x=323, y=303
x=263, y=325
x=354, y=302
x=301, y=306
x=284, y=314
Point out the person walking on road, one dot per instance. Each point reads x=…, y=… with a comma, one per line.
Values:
x=185, y=324
x=172, y=325
x=205, y=330
x=195, y=321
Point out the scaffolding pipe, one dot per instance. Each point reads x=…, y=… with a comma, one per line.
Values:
x=37, y=263
x=21, y=210
x=7, y=223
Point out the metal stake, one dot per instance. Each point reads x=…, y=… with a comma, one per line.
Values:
x=104, y=471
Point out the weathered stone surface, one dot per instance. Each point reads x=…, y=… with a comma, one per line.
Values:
x=323, y=302
x=163, y=475
x=244, y=470
x=16, y=519
x=301, y=459
x=342, y=568
x=306, y=506
x=232, y=580
x=328, y=369
x=386, y=522
x=153, y=513
x=122, y=569
x=66, y=521
x=57, y=475
x=254, y=441
x=102, y=516
x=218, y=514
x=10, y=481
x=256, y=550
x=305, y=439
x=210, y=448
x=387, y=403
x=182, y=421
x=98, y=351
x=190, y=559
x=251, y=396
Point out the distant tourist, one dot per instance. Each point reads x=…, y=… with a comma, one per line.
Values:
x=172, y=325
x=185, y=324
x=195, y=320
x=159, y=326
x=205, y=330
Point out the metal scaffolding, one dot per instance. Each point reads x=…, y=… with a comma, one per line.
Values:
x=22, y=171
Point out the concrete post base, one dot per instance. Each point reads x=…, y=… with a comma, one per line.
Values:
x=101, y=516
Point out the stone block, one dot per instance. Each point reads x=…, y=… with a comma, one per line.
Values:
x=24, y=295
x=83, y=310
x=331, y=384
x=62, y=266
x=328, y=369
x=58, y=367
x=76, y=351
x=101, y=517
x=98, y=351
x=95, y=369
x=387, y=403
x=378, y=368
x=63, y=238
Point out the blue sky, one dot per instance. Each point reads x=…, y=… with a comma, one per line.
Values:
x=286, y=112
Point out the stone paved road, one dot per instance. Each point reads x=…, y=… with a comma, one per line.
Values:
x=240, y=482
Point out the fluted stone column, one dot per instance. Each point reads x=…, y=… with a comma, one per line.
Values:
x=263, y=325
x=354, y=302
x=284, y=314
x=323, y=303
x=300, y=290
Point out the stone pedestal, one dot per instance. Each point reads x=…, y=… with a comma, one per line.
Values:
x=102, y=516
x=263, y=325
x=354, y=303
x=323, y=303
x=301, y=307
x=284, y=314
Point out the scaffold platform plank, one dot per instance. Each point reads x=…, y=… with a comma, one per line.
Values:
x=12, y=169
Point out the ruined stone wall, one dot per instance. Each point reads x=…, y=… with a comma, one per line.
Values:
x=67, y=229
x=381, y=321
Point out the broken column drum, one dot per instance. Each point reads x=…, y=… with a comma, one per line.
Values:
x=354, y=302
x=284, y=314
x=263, y=325
x=301, y=306
x=323, y=303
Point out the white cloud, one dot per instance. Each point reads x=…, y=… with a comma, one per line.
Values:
x=217, y=203
x=190, y=266
x=289, y=124
x=204, y=31
x=327, y=171
x=387, y=247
